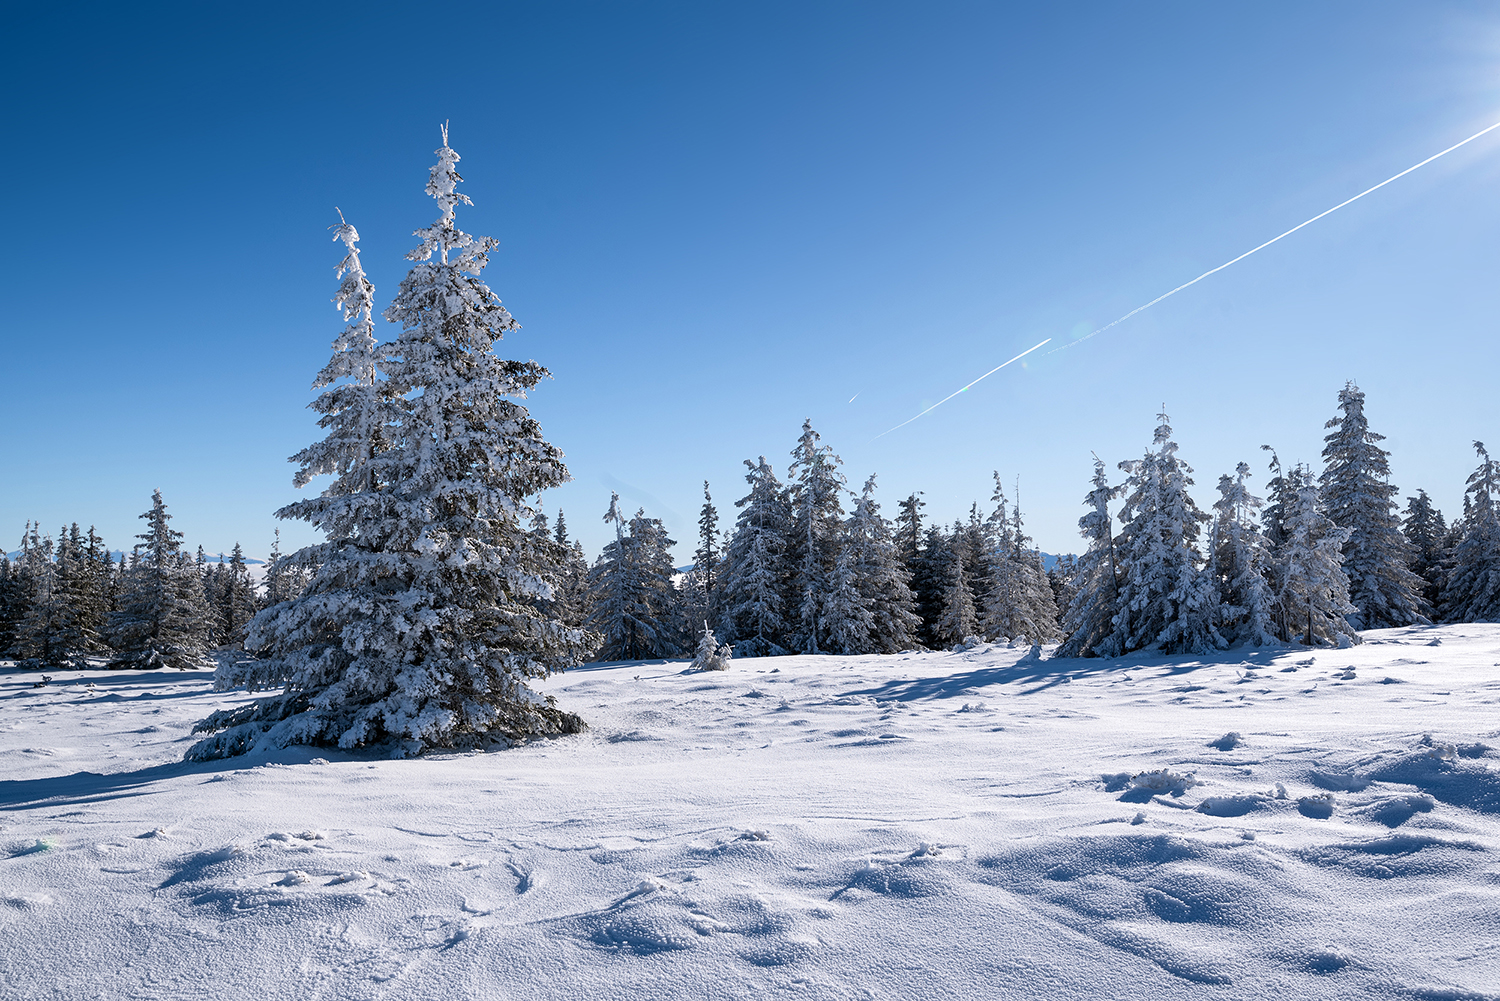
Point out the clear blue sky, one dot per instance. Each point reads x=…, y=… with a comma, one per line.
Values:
x=717, y=220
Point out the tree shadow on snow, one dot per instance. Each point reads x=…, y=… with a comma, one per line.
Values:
x=93, y=787
x=1041, y=674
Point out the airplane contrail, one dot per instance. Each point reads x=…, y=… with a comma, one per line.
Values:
x=855, y=396
x=1263, y=246
x=951, y=395
x=1221, y=267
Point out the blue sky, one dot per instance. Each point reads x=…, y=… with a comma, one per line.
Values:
x=718, y=220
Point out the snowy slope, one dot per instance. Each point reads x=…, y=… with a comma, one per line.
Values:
x=959, y=825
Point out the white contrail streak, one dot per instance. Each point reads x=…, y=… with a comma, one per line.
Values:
x=951, y=395
x=855, y=396
x=1221, y=267
x=1263, y=246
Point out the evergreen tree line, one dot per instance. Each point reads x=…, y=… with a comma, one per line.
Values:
x=67, y=603
x=1325, y=555
x=812, y=567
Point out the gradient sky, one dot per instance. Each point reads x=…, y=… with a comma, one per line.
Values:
x=717, y=220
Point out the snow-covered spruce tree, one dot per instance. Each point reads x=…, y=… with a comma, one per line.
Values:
x=1313, y=601
x=633, y=604
x=1283, y=497
x=237, y=597
x=38, y=640
x=957, y=621
x=700, y=584
x=1358, y=495
x=1472, y=590
x=1165, y=599
x=929, y=582
x=816, y=487
x=1425, y=529
x=1020, y=601
x=203, y=610
x=419, y=627
x=1039, y=623
x=978, y=541
x=755, y=571
x=908, y=532
x=277, y=584
x=1060, y=576
x=160, y=621
x=1003, y=609
x=80, y=590
x=848, y=619
x=64, y=613
x=880, y=579
x=13, y=600
x=570, y=592
x=1239, y=560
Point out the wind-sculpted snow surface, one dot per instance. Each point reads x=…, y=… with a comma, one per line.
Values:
x=981, y=824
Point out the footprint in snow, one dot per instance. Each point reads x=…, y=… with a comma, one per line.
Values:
x=306, y=837
x=25, y=901
x=1317, y=807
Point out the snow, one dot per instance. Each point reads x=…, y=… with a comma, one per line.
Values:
x=1310, y=824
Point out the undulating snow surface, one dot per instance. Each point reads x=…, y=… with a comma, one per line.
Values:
x=1293, y=823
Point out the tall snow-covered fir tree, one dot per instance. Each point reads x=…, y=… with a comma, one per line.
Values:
x=1019, y=600
x=706, y=557
x=880, y=579
x=420, y=625
x=908, y=531
x=1471, y=592
x=233, y=599
x=755, y=568
x=978, y=541
x=1425, y=529
x=700, y=586
x=929, y=583
x=1165, y=599
x=285, y=575
x=80, y=587
x=1282, y=498
x=1239, y=561
x=1312, y=600
x=1358, y=495
x=1060, y=575
x=569, y=600
x=817, y=514
x=160, y=622
x=633, y=605
x=39, y=643
x=13, y=601
x=848, y=614
x=957, y=621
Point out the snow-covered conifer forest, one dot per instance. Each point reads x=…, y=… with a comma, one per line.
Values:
x=1236, y=745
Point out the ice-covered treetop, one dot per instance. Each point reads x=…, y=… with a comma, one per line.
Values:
x=442, y=236
x=355, y=347
x=1163, y=435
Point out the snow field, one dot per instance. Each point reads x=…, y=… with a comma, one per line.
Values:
x=1317, y=824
